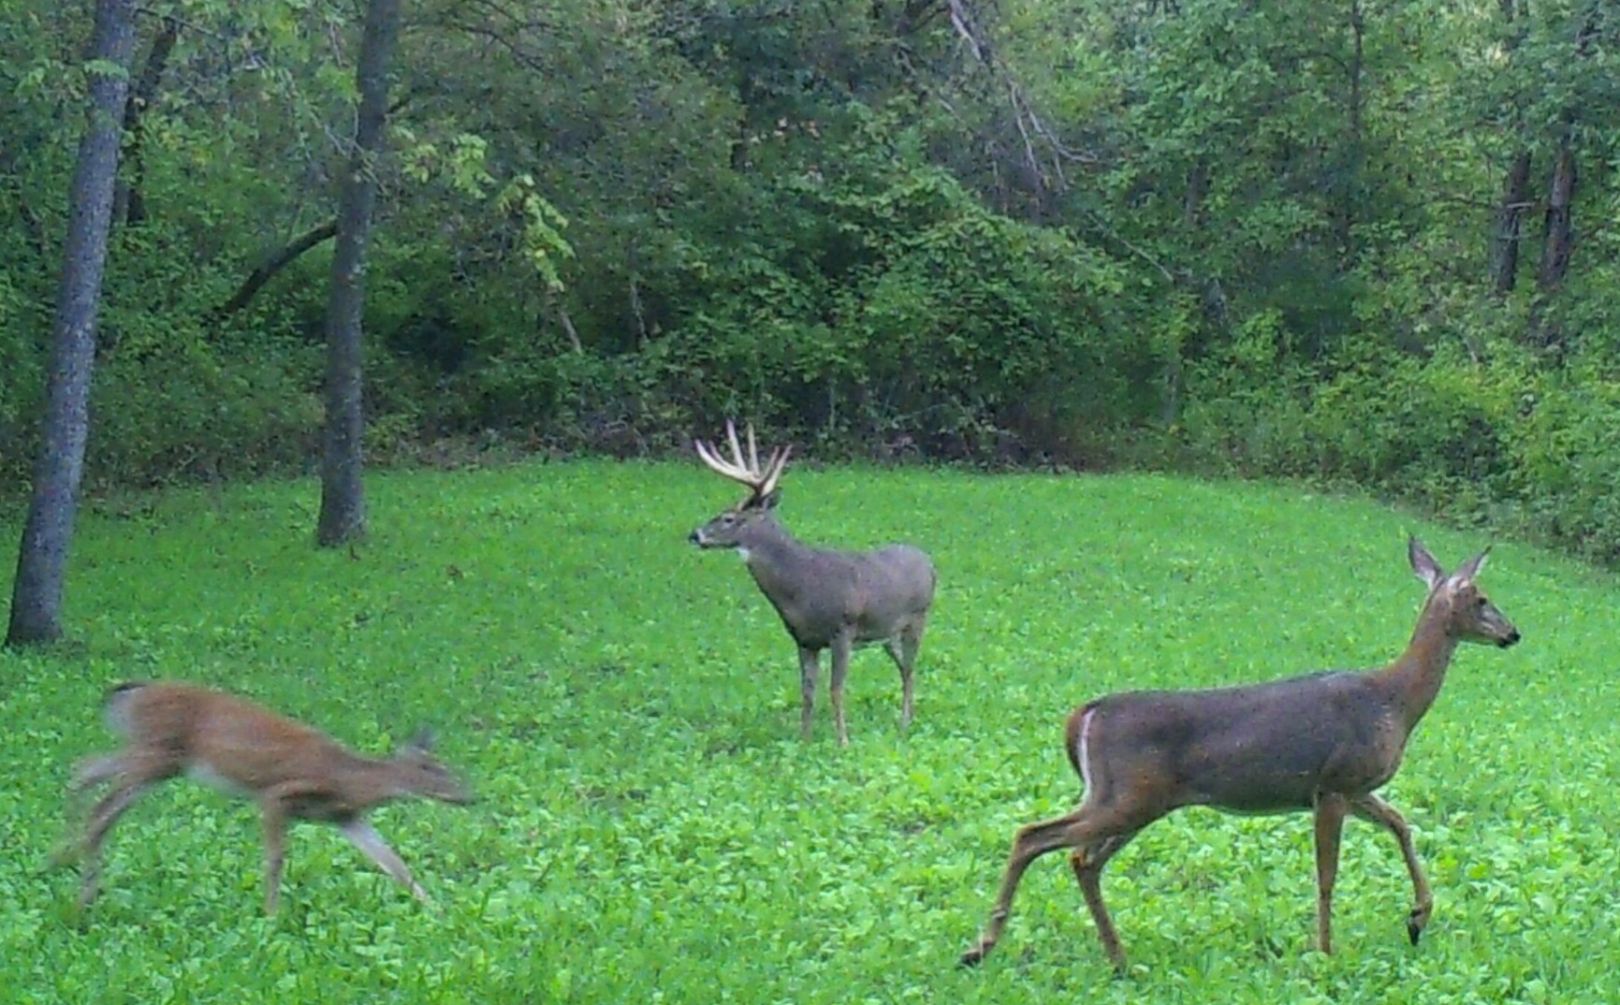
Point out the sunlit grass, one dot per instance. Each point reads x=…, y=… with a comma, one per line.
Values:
x=652, y=829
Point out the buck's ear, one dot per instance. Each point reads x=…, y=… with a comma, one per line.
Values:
x=1471, y=568
x=770, y=501
x=1423, y=563
x=422, y=740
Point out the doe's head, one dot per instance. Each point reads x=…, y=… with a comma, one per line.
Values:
x=731, y=527
x=1469, y=614
x=421, y=773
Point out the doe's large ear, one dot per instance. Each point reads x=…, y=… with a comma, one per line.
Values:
x=1423, y=563
x=1468, y=570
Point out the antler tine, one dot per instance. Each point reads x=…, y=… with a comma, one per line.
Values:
x=753, y=449
x=711, y=459
x=774, y=468
x=736, y=450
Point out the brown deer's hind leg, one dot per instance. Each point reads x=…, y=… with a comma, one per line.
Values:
x=105, y=814
x=840, y=666
x=1330, y=811
x=1376, y=810
x=809, y=668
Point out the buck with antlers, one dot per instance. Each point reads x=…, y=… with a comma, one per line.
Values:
x=292, y=771
x=827, y=599
x=1323, y=742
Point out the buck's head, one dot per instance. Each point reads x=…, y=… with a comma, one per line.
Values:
x=736, y=526
x=1469, y=615
x=420, y=773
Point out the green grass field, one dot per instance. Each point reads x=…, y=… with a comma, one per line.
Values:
x=651, y=828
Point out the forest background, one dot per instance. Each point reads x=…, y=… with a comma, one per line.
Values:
x=1365, y=242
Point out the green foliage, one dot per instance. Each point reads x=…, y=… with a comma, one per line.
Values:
x=650, y=826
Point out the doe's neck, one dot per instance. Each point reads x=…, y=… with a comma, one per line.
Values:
x=1415, y=678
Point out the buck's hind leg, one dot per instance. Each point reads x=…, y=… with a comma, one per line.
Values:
x=903, y=650
x=1375, y=810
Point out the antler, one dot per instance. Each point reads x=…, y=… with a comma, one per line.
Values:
x=747, y=472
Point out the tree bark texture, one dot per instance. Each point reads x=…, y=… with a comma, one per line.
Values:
x=1505, y=236
x=36, y=599
x=343, y=510
x=129, y=199
x=1558, y=235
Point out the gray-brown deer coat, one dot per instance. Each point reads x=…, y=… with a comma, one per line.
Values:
x=1323, y=742
x=835, y=600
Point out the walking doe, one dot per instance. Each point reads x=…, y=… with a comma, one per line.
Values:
x=1323, y=742
x=827, y=599
x=292, y=771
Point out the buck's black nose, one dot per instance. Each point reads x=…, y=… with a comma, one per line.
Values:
x=1510, y=640
x=693, y=537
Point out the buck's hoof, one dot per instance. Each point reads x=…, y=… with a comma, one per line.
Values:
x=973, y=957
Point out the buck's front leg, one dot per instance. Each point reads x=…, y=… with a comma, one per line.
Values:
x=809, y=668
x=841, y=647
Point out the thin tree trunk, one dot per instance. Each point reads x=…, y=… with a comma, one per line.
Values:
x=1505, y=236
x=343, y=510
x=1350, y=183
x=275, y=263
x=36, y=600
x=1558, y=235
x=129, y=201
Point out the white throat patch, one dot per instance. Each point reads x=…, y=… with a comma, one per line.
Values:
x=744, y=553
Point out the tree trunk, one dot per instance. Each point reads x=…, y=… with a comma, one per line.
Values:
x=129, y=202
x=1350, y=182
x=1558, y=235
x=343, y=509
x=275, y=263
x=36, y=599
x=1505, y=237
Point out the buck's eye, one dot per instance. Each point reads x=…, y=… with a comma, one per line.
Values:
x=1480, y=602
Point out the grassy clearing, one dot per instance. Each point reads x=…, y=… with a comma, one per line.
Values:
x=651, y=828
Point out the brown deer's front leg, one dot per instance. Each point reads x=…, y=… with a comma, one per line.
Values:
x=275, y=835
x=1330, y=811
x=809, y=668
x=1376, y=810
x=842, y=644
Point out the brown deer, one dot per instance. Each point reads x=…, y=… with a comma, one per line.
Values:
x=1323, y=742
x=827, y=599
x=292, y=771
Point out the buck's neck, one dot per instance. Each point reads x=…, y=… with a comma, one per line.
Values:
x=1415, y=677
x=773, y=555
